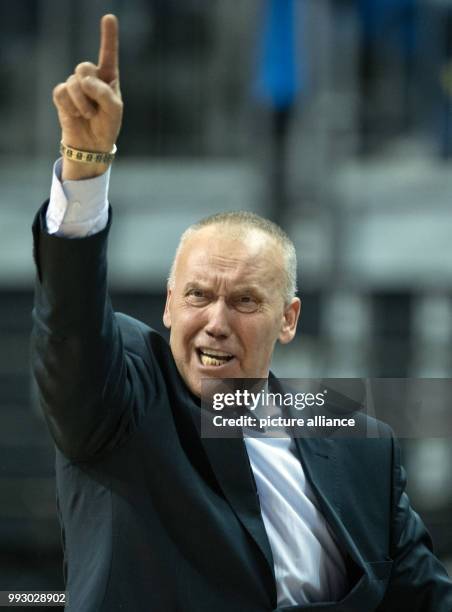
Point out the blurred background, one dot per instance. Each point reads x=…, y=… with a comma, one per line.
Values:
x=331, y=117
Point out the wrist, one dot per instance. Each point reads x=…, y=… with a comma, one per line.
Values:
x=74, y=171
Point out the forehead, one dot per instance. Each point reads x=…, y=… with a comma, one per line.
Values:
x=240, y=254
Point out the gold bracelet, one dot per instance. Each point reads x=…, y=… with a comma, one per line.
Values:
x=87, y=157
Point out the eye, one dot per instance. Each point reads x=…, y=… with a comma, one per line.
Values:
x=197, y=297
x=246, y=303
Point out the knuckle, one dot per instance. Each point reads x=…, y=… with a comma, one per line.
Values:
x=85, y=68
x=58, y=91
x=58, y=88
x=71, y=81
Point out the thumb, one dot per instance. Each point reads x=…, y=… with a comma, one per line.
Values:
x=101, y=93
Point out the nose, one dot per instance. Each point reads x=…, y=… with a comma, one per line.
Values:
x=218, y=325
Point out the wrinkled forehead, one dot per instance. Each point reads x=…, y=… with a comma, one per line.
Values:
x=239, y=253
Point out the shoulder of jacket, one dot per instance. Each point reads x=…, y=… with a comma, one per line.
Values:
x=140, y=338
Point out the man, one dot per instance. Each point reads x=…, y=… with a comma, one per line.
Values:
x=154, y=516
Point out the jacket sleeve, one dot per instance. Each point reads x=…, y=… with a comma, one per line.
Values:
x=92, y=390
x=419, y=582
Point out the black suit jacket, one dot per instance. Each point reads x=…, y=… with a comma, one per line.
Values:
x=157, y=519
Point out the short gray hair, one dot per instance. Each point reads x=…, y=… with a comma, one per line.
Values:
x=245, y=219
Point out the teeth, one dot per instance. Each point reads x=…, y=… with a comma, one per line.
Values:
x=212, y=357
x=214, y=353
x=210, y=361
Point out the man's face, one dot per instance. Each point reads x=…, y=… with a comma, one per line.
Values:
x=226, y=308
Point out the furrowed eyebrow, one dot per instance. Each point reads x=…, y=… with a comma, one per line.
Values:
x=250, y=290
x=195, y=285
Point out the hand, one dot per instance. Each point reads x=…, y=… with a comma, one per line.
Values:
x=89, y=104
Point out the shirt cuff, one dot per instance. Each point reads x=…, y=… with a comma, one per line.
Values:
x=77, y=208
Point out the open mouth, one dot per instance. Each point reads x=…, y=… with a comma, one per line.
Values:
x=211, y=357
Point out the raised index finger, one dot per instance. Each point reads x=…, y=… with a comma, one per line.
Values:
x=108, y=51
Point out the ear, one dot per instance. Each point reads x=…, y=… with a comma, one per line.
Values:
x=289, y=321
x=166, y=312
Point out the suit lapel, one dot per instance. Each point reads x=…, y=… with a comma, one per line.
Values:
x=319, y=457
x=228, y=458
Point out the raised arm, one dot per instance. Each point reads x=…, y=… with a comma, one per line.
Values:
x=94, y=378
x=89, y=104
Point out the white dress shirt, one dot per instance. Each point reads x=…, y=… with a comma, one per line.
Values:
x=309, y=566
